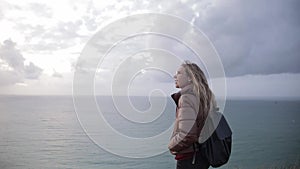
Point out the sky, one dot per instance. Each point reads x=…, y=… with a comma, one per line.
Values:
x=257, y=41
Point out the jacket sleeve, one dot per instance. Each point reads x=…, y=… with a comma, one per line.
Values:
x=186, y=133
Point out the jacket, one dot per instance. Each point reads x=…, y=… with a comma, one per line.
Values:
x=186, y=130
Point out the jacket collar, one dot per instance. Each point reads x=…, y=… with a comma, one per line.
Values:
x=175, y=97
x=186, y=89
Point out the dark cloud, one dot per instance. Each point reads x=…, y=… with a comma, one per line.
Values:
x=251, y=37
x=32, y=71
x=12, y=56
x=254, y=37
x=12, y=67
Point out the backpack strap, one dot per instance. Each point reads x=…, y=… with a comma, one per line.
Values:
x=195, y=152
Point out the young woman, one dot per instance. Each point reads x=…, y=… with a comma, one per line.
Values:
x=194, y=102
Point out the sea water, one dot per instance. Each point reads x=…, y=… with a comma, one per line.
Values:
x=44, y=132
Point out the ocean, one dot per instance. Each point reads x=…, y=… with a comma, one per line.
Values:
x=44, y=132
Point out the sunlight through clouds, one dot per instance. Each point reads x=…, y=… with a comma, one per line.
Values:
x=256, y=37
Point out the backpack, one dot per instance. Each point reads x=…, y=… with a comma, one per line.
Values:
x=217, y=148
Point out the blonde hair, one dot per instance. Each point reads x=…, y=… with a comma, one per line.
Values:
x=201, y=89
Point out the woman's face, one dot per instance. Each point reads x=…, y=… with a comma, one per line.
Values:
x=181, y=78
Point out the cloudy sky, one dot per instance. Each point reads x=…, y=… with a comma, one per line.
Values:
x=258, y=41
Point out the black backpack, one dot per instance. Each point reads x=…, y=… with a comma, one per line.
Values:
x=217, y=148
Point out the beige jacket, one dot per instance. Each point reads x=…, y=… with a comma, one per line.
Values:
x=186, y=131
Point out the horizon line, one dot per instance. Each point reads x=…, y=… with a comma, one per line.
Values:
x=227, y=98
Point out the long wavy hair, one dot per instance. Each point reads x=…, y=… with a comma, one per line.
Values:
x=201, y=89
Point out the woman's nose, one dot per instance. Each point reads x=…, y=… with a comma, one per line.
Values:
x=175, y=76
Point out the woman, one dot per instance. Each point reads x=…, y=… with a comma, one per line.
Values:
x=194, y=101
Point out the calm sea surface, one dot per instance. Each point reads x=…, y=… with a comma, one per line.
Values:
x=44, y=132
